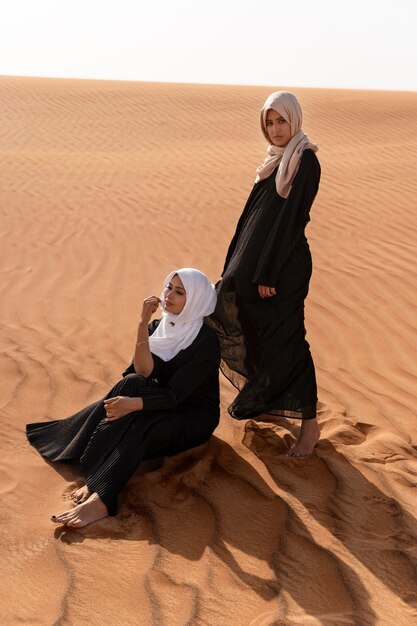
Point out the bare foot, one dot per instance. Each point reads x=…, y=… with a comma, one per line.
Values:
x=80, y=495
x=83, y=514
x=307, y=439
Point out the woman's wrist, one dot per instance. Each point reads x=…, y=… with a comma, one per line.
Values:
x=143, y=327
x=142, y=334
x=137, y=404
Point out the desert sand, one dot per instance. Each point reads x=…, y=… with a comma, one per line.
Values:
x=104, y=188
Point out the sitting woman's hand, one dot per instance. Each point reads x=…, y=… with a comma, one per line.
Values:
x=150, y=305
x=119, y=406
x=266, y=292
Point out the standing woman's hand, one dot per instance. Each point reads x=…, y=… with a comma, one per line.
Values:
x=150, y=305
x=266, y=292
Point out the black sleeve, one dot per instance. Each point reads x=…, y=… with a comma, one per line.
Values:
x=239, y=225
x=185, y=380
x=290, y=222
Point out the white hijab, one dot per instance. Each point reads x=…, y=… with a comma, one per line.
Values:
x=178, y=331
x=288, y=158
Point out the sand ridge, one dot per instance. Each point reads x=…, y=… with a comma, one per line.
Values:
x=105, y=187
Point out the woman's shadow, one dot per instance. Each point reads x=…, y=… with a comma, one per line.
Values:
x=210, y=499
x=367, y=526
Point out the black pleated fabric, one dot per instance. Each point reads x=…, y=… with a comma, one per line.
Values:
x=263, y=341
x=181, y=411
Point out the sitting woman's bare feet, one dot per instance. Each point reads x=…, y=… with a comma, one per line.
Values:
x=307, y=439
x=80, y=495
x=83, y=514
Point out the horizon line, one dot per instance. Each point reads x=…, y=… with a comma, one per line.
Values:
x=213, y=84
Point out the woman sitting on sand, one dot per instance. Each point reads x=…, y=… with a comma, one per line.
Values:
x=259, y=316
x=167, y=402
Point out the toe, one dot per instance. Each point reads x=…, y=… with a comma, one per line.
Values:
x=76, y=523
x=57, y=518
x=64, y=516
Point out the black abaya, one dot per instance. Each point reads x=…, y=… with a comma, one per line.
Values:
x=180, y=411
x=264, y=351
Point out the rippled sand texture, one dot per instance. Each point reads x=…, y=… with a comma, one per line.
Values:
x=107, y=186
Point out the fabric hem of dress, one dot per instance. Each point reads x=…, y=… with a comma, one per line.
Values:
x=286, y=413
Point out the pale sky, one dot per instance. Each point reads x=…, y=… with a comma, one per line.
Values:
x=360, y=44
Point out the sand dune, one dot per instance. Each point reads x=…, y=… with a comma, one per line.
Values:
x=105, y=187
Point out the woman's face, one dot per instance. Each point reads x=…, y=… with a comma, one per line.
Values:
x=175, y=296
x=278, y=129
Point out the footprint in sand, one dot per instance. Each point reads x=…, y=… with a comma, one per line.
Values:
x=270, y=443
x=271, y=619
x=345, y=431
x=66, y=494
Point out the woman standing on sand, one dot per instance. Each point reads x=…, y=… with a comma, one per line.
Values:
x=259, y=316
x=167, y=402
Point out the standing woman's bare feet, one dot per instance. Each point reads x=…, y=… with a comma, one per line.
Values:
x=80, y=495
x=83, y=514
x=307, y=439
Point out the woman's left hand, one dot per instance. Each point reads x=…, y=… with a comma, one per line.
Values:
x=119, y=406
x=266, y=292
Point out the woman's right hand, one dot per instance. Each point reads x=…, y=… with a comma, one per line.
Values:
x=150, y=305
x=266, y=292
x=119, y=406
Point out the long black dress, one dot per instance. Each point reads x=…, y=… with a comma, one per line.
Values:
x=264, y=351
x=181, y=409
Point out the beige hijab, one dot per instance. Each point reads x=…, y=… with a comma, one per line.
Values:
x=288, y=158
